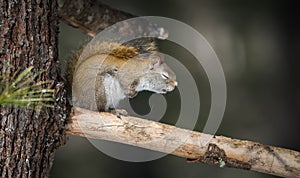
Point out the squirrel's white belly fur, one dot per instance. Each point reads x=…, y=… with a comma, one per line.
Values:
x=113, y=91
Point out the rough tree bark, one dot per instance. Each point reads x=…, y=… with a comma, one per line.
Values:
x=90, y=13
x=28, y=138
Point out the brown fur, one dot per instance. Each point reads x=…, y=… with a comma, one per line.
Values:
x=90, y=65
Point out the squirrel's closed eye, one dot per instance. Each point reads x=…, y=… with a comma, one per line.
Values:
x=165, y=76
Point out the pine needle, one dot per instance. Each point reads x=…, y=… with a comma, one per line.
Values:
x=23, y=92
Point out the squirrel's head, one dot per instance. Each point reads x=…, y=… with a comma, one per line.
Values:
x=158, y=77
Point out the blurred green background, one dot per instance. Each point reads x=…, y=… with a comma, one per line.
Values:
x=257, y=43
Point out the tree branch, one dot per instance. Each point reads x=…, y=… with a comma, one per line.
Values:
x=222, y=151
x=90, y=16
x=93, y=17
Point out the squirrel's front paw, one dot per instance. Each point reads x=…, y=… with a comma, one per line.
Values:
x=119, y=112
x=132, y=94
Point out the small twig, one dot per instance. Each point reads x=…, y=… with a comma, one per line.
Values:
x=221, y=151
x=78, y=25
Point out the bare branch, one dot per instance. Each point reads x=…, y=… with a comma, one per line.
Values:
x=160, y=137
x=90, y=16
x=93, y=17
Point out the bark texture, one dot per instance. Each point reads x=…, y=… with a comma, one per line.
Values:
x=90, y=13
x=195, y=146
x=28, y=138
x=93, y=17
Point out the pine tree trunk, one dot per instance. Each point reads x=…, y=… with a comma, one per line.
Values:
x=28, y=138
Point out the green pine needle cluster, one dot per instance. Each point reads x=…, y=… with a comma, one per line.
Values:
x=23, y=92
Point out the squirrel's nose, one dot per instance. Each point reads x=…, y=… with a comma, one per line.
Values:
x=175, y=83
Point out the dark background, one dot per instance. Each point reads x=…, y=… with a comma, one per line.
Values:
x=258, y=45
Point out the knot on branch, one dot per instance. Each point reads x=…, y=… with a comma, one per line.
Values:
x=214, y=155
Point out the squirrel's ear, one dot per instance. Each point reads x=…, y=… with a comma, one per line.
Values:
x=155, y=61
